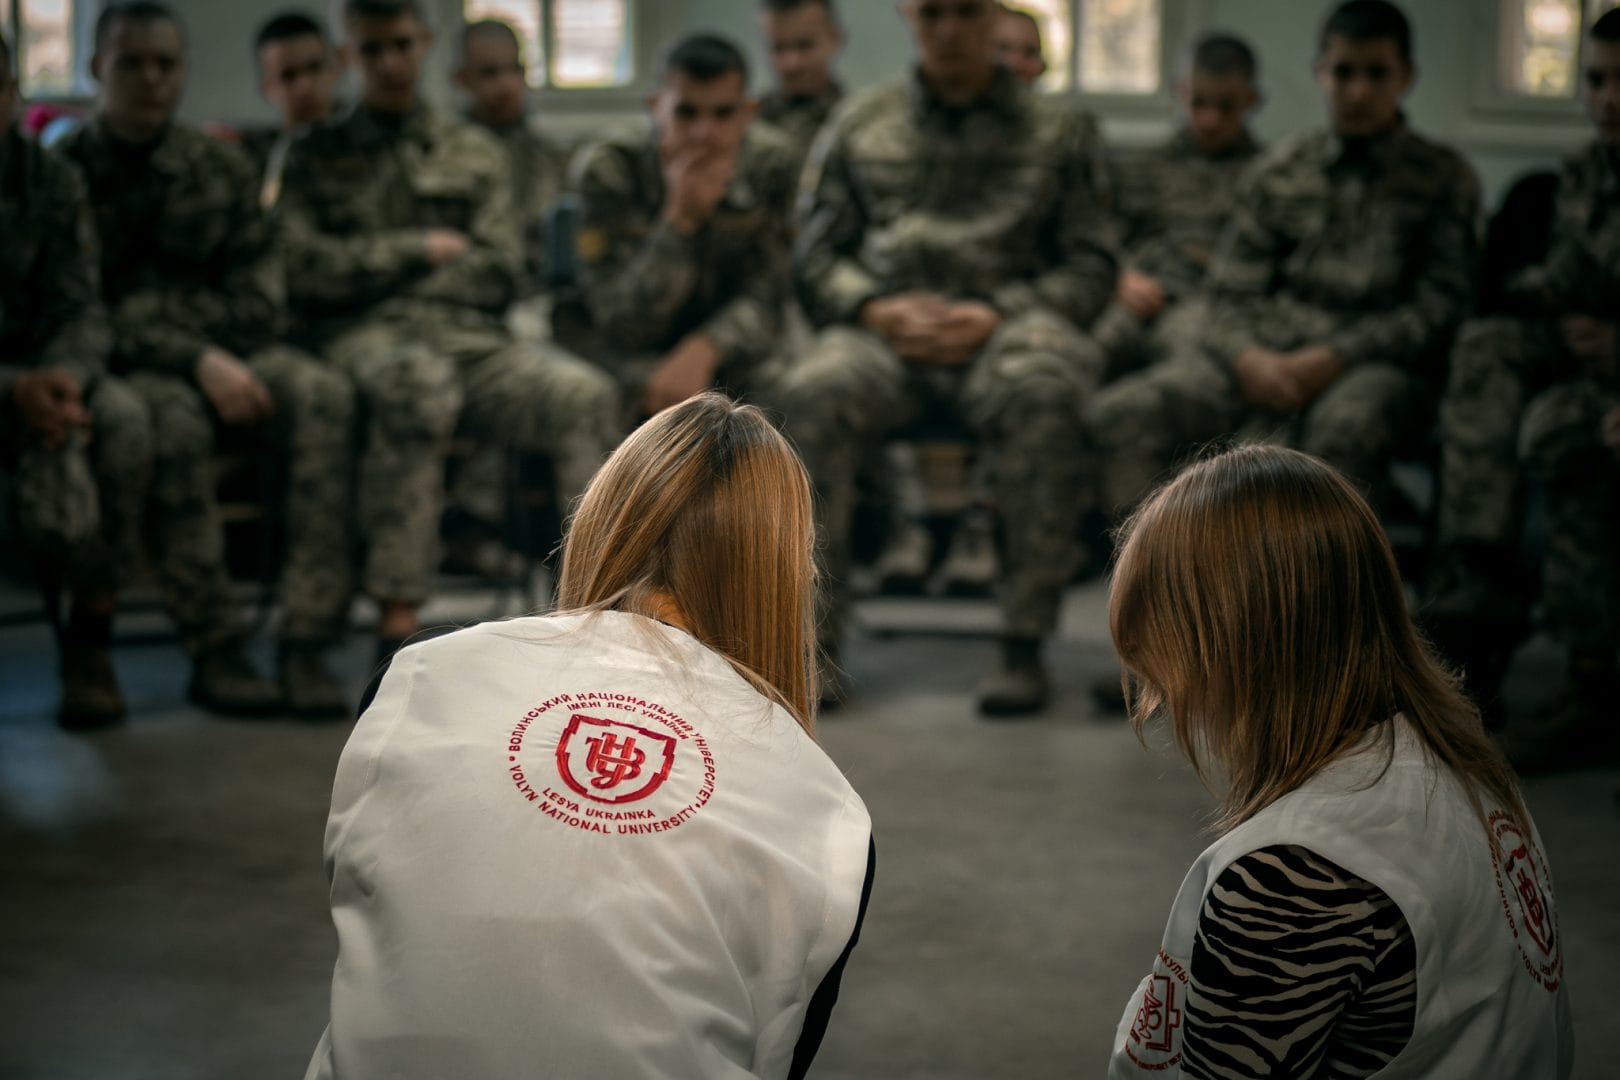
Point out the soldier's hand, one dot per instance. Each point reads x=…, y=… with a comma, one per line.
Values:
x=1264, y=379
x=1314, y=368
x=909, y=322
x=966, y=326
x=687, y=370
x=445, y=246
x=1611, y=430
x=1590, y=339
x=694, y=183
x=50, y=404
x=1141, y=294
x=231, y=387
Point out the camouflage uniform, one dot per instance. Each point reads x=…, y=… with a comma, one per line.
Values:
x=646, y=286
x=1368, y=247
x=539, y=169
x=426, y=345
x=799, y=118
x=1519, y=402
x=187, y=262
x=79, y=505
x=990, y=201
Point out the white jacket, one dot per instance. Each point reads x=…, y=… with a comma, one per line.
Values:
x=582, y=846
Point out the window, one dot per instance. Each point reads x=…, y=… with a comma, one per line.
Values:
x=1118, y=50
x=1541, y=42
x=568, y=44
x=45, y=38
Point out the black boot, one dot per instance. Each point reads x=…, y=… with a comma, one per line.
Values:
x=1575, y=730
x=90, y=695
x=1021, y=687
x=308, y=687
x=224, y=681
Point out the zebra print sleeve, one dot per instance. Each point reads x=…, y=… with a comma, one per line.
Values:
x=1299, y=969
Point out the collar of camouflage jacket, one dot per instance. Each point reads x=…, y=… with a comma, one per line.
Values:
x=165, y=153
x=369, y=125
x=1378, y=149
x=1182, y=142
x=1004, y=95
x=775, y=104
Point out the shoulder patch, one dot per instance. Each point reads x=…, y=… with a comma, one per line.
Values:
x=591, y=244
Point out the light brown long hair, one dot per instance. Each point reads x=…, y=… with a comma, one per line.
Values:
x=706, y=504
x=1256, y=602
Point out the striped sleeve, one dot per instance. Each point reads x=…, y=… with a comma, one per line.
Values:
x=1299, y=969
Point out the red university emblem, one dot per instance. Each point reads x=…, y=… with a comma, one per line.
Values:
x=1527, y=901
x=607, y=761
x=1158, y=1018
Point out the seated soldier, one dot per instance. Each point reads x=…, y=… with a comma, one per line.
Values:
x=1172, y=202
x=1347, y=263
x=192, y=290
x=1537, y=394
x=298, y=75
x=403, y=254
x=803, y=39
x=683, y=235
x=950, y=248
x=1018, y=44
x=76, y=441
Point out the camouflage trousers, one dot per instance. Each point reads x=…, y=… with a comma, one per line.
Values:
x=1145, y=421
x=1134, y=343
x=1518, y=407
x=1022, y=397
x=311, y=431
x=416, y=383
x=80, y=505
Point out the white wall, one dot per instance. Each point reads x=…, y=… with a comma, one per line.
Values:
x=1452, y=41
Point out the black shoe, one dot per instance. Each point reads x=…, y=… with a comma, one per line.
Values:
x=91, y=699
x=1575, y=731
x=1021, y=687
x=308, y=687
x=224, y=681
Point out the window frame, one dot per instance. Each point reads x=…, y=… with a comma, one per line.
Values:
x=1500, y=116
x=647, y=24
x=1175, y=16
x=82, y=27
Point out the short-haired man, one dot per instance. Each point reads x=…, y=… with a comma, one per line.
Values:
x=403, y=255
x=298, y=75
x=1347, y=264
x=76, y=441
x=803, y=39
x=192, y=289
x=1018, y=44
x=1537, y=396
x=950, y=249
x=1171, y=203
x=683, y=245
x=492, y=73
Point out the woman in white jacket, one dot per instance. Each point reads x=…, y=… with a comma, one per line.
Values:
x=1379, y=902
x=605, y=843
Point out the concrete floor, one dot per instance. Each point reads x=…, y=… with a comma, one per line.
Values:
x=163, y=910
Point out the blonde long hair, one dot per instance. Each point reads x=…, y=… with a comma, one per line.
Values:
x=1256, y=601
x=706, y=504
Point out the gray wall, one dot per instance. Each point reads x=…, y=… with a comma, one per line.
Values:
x=1453, y=41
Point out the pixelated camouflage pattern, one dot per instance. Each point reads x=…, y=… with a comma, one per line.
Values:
x=996, y=200
x=1581, y=274
x=646, y=286
x=539, y=169
x=799, y=118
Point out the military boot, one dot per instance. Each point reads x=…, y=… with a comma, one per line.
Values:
x=308, y=687
x=1022, y=686
x=90, y=695
x=224, y=681
x=1577, y=729
x=903, y=567
x=970, y=567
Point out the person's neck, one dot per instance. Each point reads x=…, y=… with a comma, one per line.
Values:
x=131, y=135
x=393, y=111
x=961, y=89
x=289, y=124
x=814, y=93
x=661, y=606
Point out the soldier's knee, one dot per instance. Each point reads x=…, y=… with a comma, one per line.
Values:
x=421, y=402
x=123, y=425
x=1560, y=435
x=182, y=427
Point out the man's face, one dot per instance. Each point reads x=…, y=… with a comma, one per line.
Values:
x=298, y=76
x=803, y=43
x=1363, y=83
x=1215, y=108
x=141, y=67
x=1018, y=46
x=951, y=36
x=492, y=72
x=389, y=52
x=701, y=116
x=1600, y=88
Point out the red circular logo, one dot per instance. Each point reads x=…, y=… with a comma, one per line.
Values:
x=1525, y=886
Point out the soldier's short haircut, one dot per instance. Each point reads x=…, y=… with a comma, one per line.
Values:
x=139, y=11
x=704, y=57
x=1368, y=20
x=382, y=9
x=489, y=28
x=285, y=27
x=1607, y=28
x=1027, y=16
x=1224, y=54
x=784, y=6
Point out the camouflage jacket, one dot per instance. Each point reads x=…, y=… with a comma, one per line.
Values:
x=799, y=118
x=358, y=196
x=1172, y=202
x=186, y=253
x=995, y=200
x=539, y=170
x=50, y=295
x=647, y=286
x=1581, y=274
x=1369, y=248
